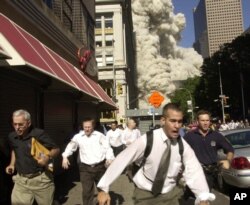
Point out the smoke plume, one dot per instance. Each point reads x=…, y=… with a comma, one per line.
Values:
x=161, y=63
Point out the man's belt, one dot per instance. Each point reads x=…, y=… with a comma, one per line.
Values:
x=32, y=175
x=94, y=165
x=210, y=167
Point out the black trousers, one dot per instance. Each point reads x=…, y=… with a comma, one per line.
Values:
x=90, y=177
x=117, y=150
x=211, y=179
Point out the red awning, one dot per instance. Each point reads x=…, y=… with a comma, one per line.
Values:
x=38, y=56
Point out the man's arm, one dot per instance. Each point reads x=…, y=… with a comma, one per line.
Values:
x=11, y=168
x=44, y=160
x=229, y=150
x=230, y=156
x=126, y=157
x=54, y=153
x=226, y=163
x=71, y=147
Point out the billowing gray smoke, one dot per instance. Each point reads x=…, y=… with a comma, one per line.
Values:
x=161, y=64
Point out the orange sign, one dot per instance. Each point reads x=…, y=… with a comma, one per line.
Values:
x=156, y=99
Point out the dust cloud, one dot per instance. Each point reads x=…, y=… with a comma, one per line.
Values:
x=161, y=64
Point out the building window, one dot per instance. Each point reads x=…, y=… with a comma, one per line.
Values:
x=109, y=40
x=98, y=43
x=98, y=23
x=108, y=21
x=99, y=60
x=109, y=60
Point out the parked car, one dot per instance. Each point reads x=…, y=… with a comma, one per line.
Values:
x=238, y=175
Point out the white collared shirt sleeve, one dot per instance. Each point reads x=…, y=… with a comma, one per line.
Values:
x=71, y=147
x=126, y=157
x=139, y=133
x=194, y=175
x=109, y=154
x=123, y=138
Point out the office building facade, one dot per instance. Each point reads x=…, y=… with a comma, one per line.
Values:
x=216, y=22
x=115, y=53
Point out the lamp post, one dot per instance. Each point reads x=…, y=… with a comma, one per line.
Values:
x=236, y=57
x=242, y=94
x=221, y=96
x=191, y=104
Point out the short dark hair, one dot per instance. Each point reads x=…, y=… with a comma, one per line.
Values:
x=87, y=119
x=114, y=122
x=203, y=112
x=171, y=106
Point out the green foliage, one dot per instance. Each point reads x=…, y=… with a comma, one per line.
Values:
x=182, y=95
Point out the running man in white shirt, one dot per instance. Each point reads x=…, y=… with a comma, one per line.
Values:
x=95, y=154
x=114, y=136
x=170, y=193
x=130, y=133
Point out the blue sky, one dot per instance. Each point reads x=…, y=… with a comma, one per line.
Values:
x=186, y=6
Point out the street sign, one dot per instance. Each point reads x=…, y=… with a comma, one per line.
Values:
x=156, y=99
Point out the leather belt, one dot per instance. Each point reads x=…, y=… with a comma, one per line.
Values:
x=94, y=165
x=32, y=175
x=210, y=167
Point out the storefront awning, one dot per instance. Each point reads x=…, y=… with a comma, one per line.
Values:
x=38, y=56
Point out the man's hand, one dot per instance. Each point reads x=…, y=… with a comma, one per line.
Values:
x=65, y=163
x=225, y=164
x=10, y=169
x=43, y=160
x=204, y=203
x=103, y=198
x=108, y=162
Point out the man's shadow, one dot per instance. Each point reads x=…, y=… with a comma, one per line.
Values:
x=65, y=181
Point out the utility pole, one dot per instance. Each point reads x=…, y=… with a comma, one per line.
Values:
x=191, y=102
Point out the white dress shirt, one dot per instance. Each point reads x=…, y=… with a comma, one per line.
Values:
x=92, y=149
x=129, y=136
x=115, y=137
x=193, y=173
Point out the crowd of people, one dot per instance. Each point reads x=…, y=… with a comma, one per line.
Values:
x=104, y=152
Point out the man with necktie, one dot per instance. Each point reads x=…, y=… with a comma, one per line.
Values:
x=156, y=181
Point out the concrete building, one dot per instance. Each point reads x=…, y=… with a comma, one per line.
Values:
x=115, y=55
x=48, y=66
x=216, y=23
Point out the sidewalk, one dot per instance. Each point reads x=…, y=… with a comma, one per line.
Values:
x=69, y=190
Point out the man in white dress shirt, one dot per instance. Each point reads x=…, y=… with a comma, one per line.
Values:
x=130, y=133
x=95, y=154
x=114, y=136
x=170, y=193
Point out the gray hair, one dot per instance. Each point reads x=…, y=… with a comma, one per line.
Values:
x=25, y=113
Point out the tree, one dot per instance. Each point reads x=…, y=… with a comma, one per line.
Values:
x=181, y=96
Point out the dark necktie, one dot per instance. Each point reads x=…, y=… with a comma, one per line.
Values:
x=162, y=170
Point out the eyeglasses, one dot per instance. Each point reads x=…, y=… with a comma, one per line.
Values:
x=21, y=125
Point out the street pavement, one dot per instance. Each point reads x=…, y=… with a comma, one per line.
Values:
x=68, y=191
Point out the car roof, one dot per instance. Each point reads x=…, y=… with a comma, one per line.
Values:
x=226, y=132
